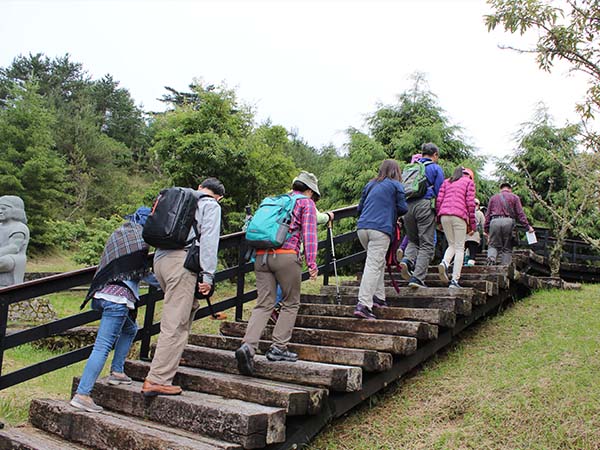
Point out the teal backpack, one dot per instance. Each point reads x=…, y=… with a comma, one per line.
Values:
x=414, y=180
x=270, y=225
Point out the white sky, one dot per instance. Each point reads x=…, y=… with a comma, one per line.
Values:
x=316, y=66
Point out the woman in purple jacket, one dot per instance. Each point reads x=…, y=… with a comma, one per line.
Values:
x=455, y=207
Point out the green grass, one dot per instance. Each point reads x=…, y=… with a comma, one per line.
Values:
x=526, y=379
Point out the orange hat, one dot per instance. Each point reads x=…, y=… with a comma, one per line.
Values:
x=469, y=172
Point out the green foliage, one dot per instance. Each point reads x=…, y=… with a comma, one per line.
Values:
x=64, y=234
x=417, y=118
x=98, y=232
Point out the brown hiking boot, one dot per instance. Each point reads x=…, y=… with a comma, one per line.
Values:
x=150, y=389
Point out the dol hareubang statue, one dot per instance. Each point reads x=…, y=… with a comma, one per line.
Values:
x=14, y=237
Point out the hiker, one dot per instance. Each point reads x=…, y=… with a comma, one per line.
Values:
x=322, y=218
x=404, y=243
x=419, y=221
x=179, y=285
x=456, y=214
x=283, y=265
x=381, y=203
x=504, y=209
x=115, y=291
x=473, y=242
x=14, y=237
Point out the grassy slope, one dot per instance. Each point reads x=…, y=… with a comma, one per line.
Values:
x=527, y=378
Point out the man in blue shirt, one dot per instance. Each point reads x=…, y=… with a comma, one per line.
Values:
x=419, y=221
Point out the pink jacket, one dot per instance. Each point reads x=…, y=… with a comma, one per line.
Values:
x=458, y=199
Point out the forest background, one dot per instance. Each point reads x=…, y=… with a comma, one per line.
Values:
x=82, y=154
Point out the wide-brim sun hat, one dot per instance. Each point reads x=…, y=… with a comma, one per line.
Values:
x=310, y=180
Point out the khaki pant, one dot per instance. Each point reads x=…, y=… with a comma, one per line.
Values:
x=376, y=244
x=419, y=223
x=455, y=230
x=179, y=308
x=285, y=269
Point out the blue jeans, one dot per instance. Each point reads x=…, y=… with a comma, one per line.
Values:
x=116, y=329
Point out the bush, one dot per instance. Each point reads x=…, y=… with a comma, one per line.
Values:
x=99, y=231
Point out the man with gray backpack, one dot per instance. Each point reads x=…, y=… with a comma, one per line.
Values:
x=277, y=241
x=421, y=181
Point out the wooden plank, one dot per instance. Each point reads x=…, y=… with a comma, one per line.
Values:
x=398, y=345
x=495, y=270
x=368, y=360
x=438, y=317
x=330, y=376
x=110, y=431
x=295, y=399
x=419, y=330
x=452, y=304
x=479, y=284
x=390, y=292
x=248, y=424
x=29, y=438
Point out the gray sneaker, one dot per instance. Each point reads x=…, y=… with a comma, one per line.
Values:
x=443, y=272
x=276, y=354
x=85, y=404
x=115, y=380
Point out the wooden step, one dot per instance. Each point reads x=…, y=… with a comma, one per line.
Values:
x=419, y=330
x=397, y=345
x=453, y=304
x=496, y=270
x=29, y=438
x=330, y=376
x=295, y=399
x=248, y=424
x=488, y=287
x=438, y=317
x=390, y=292
x=501, y=280
x=113, y=431
x=368, y=360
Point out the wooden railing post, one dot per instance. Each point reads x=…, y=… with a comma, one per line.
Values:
x=241, y=280
x=3, y=322
x=147, y=327
x=327, y=270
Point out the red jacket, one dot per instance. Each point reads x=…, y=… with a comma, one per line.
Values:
x=458, y=199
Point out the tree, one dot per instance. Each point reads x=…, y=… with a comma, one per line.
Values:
x=417, y=118
x=29, y=165
x=571, y=33
x=545, y=171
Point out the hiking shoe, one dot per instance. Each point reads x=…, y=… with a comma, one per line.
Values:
x=470, y=263
x=150, y=389
x=362, y=312
x=115, y=379
x=85, y=403
x=274, y=317
x=245, y=360
x=490, y=262
x=379, y=303
x=414, y=282
x=454, y=284
x=276, y=354
x=405, y=269
x=443, y=272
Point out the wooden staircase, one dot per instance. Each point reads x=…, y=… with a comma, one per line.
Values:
x=343, y=361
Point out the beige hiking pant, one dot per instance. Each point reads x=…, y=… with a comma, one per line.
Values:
x=179, y=308
x=286, y=269
x=455, y=230
x=376, y=243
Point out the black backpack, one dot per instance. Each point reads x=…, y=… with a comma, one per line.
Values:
x=172, y=217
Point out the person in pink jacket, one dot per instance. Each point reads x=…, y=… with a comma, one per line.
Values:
x=455, y=207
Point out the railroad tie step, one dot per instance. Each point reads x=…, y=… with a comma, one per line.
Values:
x=390, y=292
x=458, y=305
x=30, y=438
x=112, y=431
x=294, y=398
x=440, y=317
x=488, y=287
x=248, y=424
x=330, y=376
x=397, y=345
x=420, y=330
x=368, y=360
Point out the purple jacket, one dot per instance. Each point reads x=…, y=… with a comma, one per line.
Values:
x=512, y=208
x=458, y=199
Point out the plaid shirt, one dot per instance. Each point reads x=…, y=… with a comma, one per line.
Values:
x=304, y=228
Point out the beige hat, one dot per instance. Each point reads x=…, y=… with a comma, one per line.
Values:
x=309, y=180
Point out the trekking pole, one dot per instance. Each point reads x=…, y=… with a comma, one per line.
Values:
x=338, y=298
x=213, y=315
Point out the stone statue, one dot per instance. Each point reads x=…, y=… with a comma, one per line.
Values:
x=14, y=237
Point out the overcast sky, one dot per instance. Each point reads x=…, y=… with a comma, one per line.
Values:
x=316, y=66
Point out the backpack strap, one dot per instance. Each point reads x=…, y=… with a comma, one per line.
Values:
x=195, y=222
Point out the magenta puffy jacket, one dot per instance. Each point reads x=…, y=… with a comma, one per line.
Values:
x=458, y=199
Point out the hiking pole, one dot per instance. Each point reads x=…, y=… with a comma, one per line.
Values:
x=338, y=298
x=213, y=315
